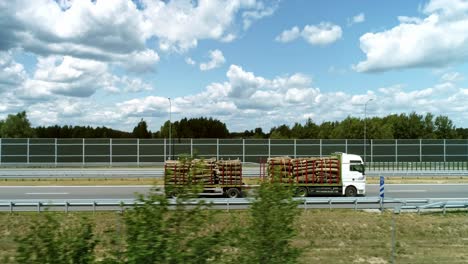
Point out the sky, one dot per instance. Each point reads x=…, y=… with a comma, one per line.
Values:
x=247, y=63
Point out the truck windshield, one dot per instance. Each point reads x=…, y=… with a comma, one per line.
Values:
x=357, y=167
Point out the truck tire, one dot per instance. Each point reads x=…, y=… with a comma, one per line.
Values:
x=350, y=191
x=174, y=193
x=302, y=192
x=233, y=193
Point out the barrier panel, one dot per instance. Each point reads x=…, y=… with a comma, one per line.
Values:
x=387, y=154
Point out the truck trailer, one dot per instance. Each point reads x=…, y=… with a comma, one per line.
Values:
x=215, y=177
x=340, y=173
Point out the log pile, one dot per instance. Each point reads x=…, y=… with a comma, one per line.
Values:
x=229, y=172
x=304, y=170
x=204, y=171
x=176, y=171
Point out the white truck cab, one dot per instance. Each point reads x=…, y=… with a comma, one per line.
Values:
x=353, y=175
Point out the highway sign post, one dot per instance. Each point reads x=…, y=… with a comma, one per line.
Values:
x=382, y=191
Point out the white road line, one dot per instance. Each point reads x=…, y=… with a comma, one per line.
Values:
x=79, y=186
x=403, y=191
x=419, y=184
x=63, y=193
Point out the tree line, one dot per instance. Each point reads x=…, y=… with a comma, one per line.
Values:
x=394, y=126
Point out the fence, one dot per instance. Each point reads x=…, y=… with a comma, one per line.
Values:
x=149, y=151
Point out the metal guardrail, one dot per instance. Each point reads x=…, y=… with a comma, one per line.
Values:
x=82, y=173
x=306, y=203
x=435, y=206
x=415, y=173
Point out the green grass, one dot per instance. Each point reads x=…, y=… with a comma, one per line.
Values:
x=324, y=236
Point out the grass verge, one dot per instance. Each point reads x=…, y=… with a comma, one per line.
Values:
x=324, y=236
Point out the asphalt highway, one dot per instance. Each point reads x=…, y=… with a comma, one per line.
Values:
x=44, y=193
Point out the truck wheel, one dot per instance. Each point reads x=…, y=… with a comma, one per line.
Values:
x=302, y=191
x=350, y=191
x=174, y=194
x=233, y=193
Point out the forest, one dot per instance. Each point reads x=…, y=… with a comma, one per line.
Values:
x=395, y=126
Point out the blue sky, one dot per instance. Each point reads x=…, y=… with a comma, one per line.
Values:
x=248, y=63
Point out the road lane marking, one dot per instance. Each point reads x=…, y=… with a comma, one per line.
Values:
x=401, y=191
x=79, y=186
x=49, y=193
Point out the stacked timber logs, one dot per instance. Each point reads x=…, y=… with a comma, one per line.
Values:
x=203, y=171
x=176, y=172
x=304, y=170
x=229, y=172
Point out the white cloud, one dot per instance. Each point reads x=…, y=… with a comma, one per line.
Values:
x=216, y=60
x=409, y=20
x=243, y=84
x=260, y=11
x=229, y=38
x=289, y=35
x=359, y=18
x=179, y=25
x=244, y=101
x=324, y=33
x=439, y=39
x=452, y=77
x=190, y=61
x=107, y=31
x=71, y=77
x=12, y=73
x=147, y=105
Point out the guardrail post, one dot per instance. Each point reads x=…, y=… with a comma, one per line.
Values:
x=110, y=151
x=191, y=147
x=217, y=149
x=28, y=152
x=330, y=203
x=396, y=151
x=269, y=147
x=138, y=152
x=94, y=207
x=11, y=207
x=445, y=152
x=295, y=152
x=444, y=208
x=165, y=158
x=38, y=207
x=55, y=152
x=66, y=207
x=243, y=150
x=320, y=147
x=227, y=203
x=305, y=205
x=83, y=159
x=420, y=150
x=355, y=204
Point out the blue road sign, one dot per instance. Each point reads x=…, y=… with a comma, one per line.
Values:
x=382, y=186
